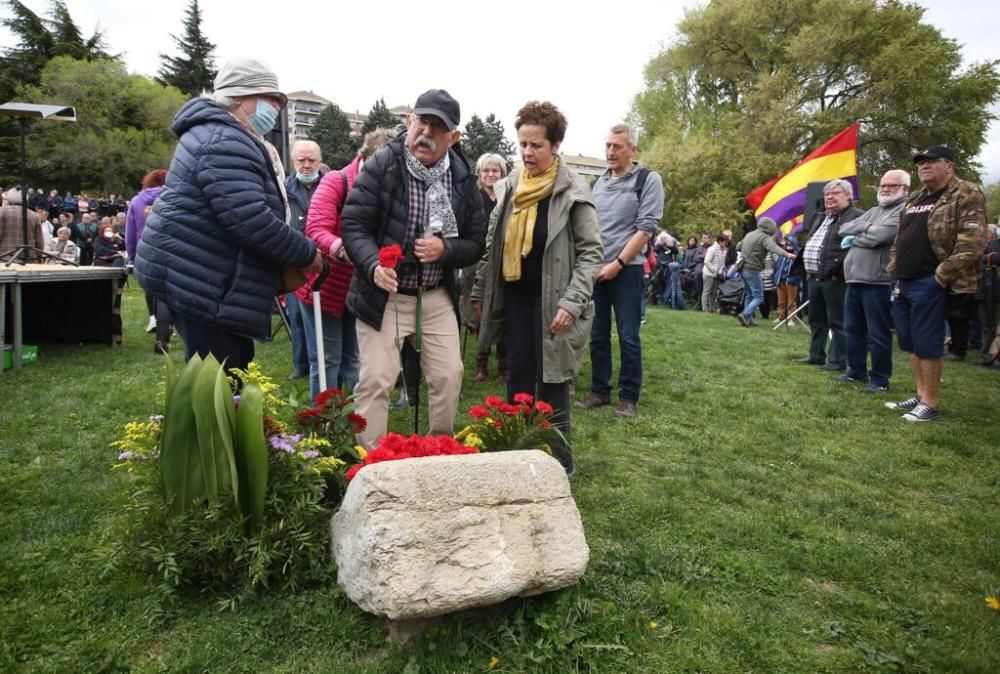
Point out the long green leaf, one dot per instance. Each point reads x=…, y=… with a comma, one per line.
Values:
x=251, y=453
x=225, y=419
x=183, y=480
x=203, y=402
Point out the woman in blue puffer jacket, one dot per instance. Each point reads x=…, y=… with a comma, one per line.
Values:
x=217, y=239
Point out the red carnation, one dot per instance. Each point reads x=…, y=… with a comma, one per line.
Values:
x=389, y=256
x=494, y=401
x=543, y=407
x=353, y=470
x=309, y=416
x=546, y=424
x=523, y=398
x=479, y=412
x=509, y=410
x=324, y=397
x=358, y=422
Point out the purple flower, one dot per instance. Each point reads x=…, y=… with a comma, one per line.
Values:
x=236, y=399
x=310, y=454
x=125, y=456
x=283, y=443
x=156, y=418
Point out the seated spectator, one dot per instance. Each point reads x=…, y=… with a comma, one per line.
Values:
x=62, y=247
x=109, y=247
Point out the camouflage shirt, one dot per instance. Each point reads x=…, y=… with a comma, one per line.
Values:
x=956, y=229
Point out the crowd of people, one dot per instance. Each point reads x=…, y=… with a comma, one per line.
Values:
x=534, y=261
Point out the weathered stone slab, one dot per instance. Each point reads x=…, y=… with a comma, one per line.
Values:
x=419, y=538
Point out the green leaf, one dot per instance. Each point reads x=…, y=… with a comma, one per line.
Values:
x=203, y=402
x=183, y=479
x=251, y=453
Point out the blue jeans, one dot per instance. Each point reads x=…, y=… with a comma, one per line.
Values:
x=672, y=296
x=868, y=326
x=340, y=350
x=920, y=314
x=624, y=295
x=753, y=288
x=297, y=333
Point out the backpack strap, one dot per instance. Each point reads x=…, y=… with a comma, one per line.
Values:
x=640, y=182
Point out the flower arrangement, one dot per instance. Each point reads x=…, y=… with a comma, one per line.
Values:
x=333, y=418
x=393, y=446
x=262, y=521
x=501, y=426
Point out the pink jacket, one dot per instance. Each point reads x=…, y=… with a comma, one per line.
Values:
x=323, y=227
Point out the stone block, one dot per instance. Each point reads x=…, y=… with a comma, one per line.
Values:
x=419, y=538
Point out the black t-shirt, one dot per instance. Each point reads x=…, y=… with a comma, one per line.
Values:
x=915, y=258
x=531, y=266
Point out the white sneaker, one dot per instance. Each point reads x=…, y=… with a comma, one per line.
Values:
x=151, y=326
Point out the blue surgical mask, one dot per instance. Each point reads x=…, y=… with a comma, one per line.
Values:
x=264, y=118
x=306, y=179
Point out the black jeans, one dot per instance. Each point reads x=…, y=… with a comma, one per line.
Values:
x=230, y=349
x=961, y=310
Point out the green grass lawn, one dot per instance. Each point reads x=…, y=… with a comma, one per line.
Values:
x=756, y=516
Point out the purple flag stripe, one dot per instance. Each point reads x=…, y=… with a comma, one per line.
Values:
x=794, y=204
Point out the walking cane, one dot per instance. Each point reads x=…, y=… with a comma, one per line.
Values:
x=318, y=324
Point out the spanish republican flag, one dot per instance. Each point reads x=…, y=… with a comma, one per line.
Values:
x=783, y=199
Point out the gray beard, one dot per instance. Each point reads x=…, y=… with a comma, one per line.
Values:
x=886, y=202
x=427, y=143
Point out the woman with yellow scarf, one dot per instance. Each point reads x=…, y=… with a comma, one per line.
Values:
x=543, y=251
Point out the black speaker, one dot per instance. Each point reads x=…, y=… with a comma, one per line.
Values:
x=814, y=203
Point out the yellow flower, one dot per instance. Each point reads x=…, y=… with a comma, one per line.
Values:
x=360, y=451
x=494, y=661
x=653, y=625
x=472, y=440
x=993, y=603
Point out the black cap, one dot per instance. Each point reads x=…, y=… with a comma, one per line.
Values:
x=439, y=103
x=935, y=152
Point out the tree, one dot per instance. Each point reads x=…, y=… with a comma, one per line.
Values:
x=379, y=117
x=38, y=41
x=483, y=137
x=332, y=132
x=193, y=72
x=751, y=86
x=992, y=194
x=123, y=127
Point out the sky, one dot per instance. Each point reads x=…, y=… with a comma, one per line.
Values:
x=590, y=59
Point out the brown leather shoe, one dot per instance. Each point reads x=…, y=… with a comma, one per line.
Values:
x=592, y=400
x=626, y=408
x=482, y=366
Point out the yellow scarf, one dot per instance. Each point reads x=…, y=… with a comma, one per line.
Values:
x=521, y=226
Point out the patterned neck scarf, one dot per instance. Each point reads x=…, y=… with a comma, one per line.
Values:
x=440, y=216
x=521, y=225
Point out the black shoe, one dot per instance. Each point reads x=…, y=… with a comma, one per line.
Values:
x=921, y=413
x=847, y=377
x=875, y=388
x=833, y=367
x=298, y=375
x=904, y=406
x=953, y=357
x=744, y=321
x=160, y=348
x=808, y=361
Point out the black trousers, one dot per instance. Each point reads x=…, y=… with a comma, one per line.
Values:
x=234, y=351
x=523, y=333
x=961, y=310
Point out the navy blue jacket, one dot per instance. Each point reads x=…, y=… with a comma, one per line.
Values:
x=375, y=215
x=214, y=245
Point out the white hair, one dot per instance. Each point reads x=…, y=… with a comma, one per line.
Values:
x=12, y=197
x=224, y=101
x=630, y=133
x=840, y=184
x=304, y=143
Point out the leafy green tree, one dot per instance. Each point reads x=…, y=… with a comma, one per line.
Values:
x=379, y=117
x=332, y=132
x=487, y=136
x=38, y=41
x=193, y=72
x=751, y=86
x=992, y=193
x=123, y=128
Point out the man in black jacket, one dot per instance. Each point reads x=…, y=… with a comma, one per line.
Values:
x=824, y=268
x=417, y=192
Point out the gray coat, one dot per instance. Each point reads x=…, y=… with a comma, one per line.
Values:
x=571, y=261
x=757, y=244
x=868, y=255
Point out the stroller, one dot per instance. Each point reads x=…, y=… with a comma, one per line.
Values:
x=656, y=284
x=731, y=296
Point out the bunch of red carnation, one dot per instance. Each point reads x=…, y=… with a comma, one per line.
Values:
x=333, y=418
x=389, y=256
x=523, y=424
x=394, y=446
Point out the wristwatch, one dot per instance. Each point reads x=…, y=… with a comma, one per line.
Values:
x=619, y=261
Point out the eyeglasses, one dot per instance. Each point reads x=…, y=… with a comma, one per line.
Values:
x=431, y=122
x=891, y=186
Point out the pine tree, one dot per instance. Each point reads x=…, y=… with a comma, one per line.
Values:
x=482, y=137
x=379, y=117
x=193, y=72
x=332, y=132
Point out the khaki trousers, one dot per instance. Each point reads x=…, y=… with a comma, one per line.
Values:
x=787, y=300
x=440, y=360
